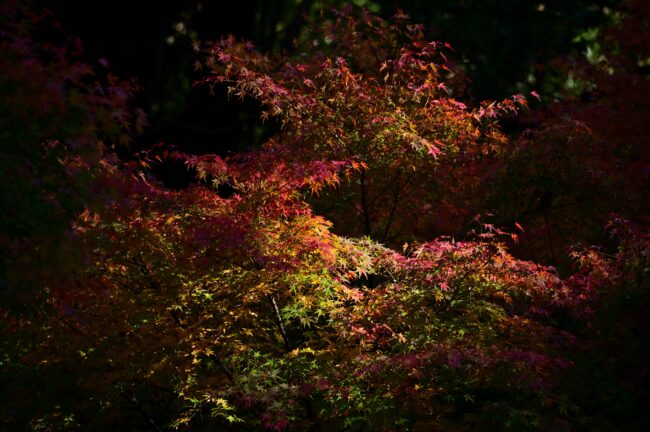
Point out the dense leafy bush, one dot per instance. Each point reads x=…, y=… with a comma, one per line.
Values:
x=236, y=304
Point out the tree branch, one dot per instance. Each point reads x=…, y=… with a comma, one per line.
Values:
x=278, y=320
x=364, y=204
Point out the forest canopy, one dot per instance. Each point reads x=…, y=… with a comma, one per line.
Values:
x=330, y=219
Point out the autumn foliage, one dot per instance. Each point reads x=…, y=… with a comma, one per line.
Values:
x=356, y=276
x=375, y=97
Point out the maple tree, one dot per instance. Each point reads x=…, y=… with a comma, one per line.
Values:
x=280, y=305
x=585, y=158
x=381, y=105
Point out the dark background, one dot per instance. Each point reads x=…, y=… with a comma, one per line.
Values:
x=505, y=46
